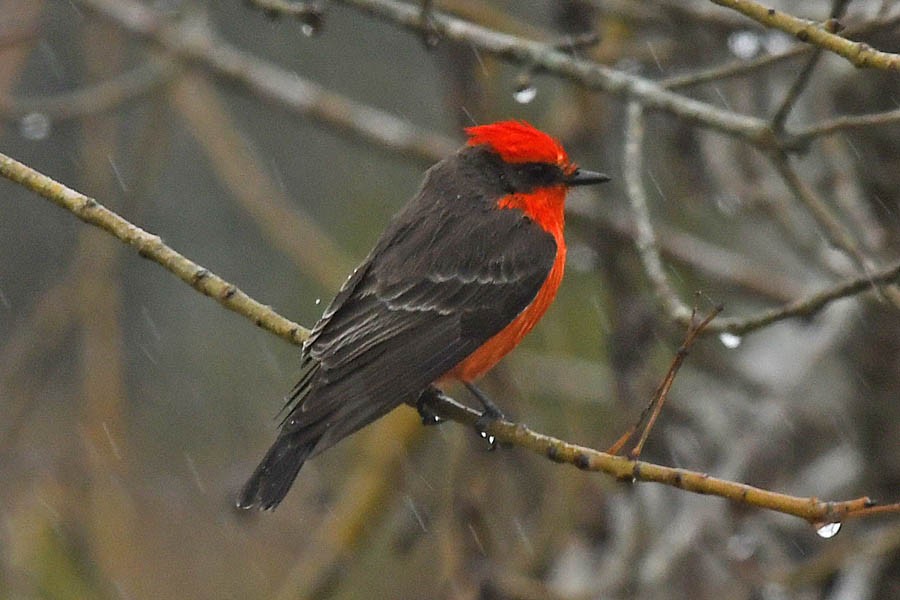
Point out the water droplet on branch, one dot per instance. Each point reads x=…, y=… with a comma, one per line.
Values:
x=828, y=530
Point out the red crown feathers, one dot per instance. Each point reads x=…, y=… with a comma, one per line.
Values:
x=518, y=142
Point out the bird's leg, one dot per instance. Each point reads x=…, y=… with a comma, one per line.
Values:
x=423, y=405
x=490, y=409
x=490, y=413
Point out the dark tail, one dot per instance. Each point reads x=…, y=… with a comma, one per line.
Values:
x=273, y=477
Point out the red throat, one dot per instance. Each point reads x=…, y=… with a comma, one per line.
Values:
x=545, y=207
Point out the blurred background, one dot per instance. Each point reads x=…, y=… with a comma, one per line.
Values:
x=273, y=149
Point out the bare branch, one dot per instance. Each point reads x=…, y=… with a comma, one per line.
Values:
x=810, y=305
x=849, y=122
x=587, y=459
x=645, y=238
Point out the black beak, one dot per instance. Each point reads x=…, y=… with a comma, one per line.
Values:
x=584, y=177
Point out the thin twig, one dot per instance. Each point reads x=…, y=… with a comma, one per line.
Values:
x=793, y=93
x=808, y=305
x=738, y=68
x=651, y=413
x=299, y=10
x=834, y=230
x=802, y=79
x=844, y=123
x=713, y=260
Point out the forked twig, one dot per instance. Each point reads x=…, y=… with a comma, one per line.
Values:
x=654, y=408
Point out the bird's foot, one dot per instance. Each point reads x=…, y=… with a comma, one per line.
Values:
x=423, y=405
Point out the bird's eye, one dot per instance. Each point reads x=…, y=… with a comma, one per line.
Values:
x=541, y=173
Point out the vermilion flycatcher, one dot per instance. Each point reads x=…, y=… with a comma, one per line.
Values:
x=453, y=284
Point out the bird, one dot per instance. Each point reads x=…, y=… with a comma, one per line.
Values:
x=455, y=281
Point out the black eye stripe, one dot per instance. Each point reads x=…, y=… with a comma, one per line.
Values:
x=540, y=173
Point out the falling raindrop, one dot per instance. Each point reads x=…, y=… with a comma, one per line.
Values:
x=744, y=44
x=34, y=126
x=729, y=340
x=307, y=30
x=412, y=507
x=318, y=301
x=828, y=530
x=525, y=93
x=117, y=173
x=192, y=467
x=655, y=58
x=523, y=536
x=112, y=442
x=478, y=543
x=151, y=324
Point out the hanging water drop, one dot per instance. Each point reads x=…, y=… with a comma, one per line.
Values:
x=525, y=93
x=828, y=530
x=730, y=340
